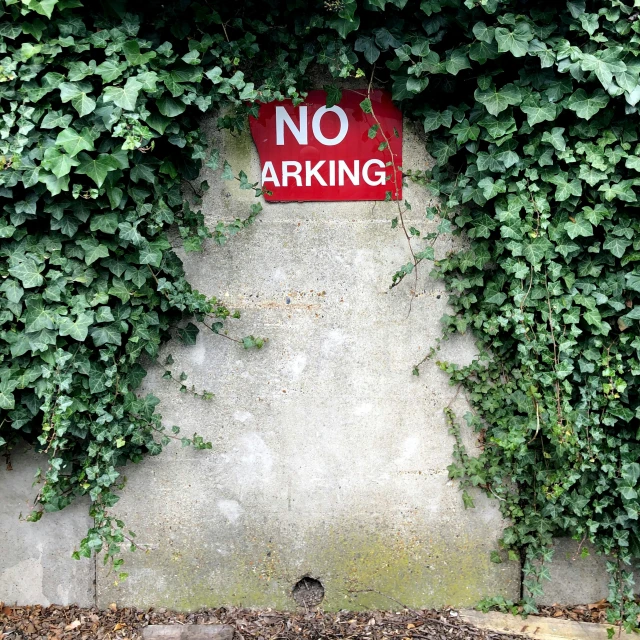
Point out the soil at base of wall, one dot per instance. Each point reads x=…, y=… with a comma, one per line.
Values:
x=75, y=623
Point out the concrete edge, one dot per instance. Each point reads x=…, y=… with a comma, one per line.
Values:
x=188, y=632
x=539, y=627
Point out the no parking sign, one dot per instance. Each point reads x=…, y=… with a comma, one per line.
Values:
x=312, y=152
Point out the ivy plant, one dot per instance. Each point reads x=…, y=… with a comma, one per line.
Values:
x=531, y=112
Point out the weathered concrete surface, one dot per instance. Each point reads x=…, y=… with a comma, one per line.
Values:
x=35, y=564
x=329, y=457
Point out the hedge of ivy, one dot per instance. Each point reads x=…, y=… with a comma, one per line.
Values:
x=531, y=111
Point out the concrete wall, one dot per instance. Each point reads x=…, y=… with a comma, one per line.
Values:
x=329, y=457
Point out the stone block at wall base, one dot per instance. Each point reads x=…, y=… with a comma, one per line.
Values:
x=575, y=579
x=188, y=632
x=36, y=566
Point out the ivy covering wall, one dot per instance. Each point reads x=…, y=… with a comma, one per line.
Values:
x=531, y=115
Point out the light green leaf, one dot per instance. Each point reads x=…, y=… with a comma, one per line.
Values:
x=616, y=245
x=536, y=250
x=43, y=7
x=435, y=119
x=539, y=110
x=131, y=50
x=621, y=190
x=632, y=162
x=456, y=62
x=7, y=401
x=590, y=175
x=150, y=255
x=28, y=272
x=248, y=92
x=483, y=33
x=587, y=106
x=58, y=163
x=12, y=290
x=566, y=189
x=73, y=142
x=516, y=41
x=107, y=223
x=76, y=93
x=124, y=97
x=579, y=227
x=111, y=69
x=465, y=131
x=93, y=250
x=119, y=290
x=56, y=120
x=78, y=328
x=555, y=138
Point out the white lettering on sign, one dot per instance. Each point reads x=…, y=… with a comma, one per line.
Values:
x=312, y=172
x=344, y=169
x=286, y=174
x=344, y=125
x=300, y=131
x=269, y=174
x=381, y=175
x=292, y=171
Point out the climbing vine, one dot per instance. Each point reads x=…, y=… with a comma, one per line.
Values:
x=531, y=111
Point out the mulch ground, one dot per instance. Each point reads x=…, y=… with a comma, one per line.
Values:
x=596, y=612
x=74, y=623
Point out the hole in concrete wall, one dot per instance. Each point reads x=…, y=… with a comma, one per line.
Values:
x=308, y=592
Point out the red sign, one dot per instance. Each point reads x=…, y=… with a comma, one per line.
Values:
x=314, y=152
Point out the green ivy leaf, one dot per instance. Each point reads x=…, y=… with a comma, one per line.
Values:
x=457, y=61
x=73, y=142
x=368, y=47
x=56, y=120
x=334, y=95
x=617, y=246
x=579, y=227
x=106, y=334
x=78, y=328
x=587, y=106
x=516, y=41
x=497, y=101
x=111, y=69
x=131, y=50
x=124, y=97
x=169, y=107
x=483, y=33
x=435, y=119
x=57, y=162
x=76, y=93
x=28, y=272
x=12, y=290
x=97, y=168
x=7, y=400
x=539, y=111
x=188, y=334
